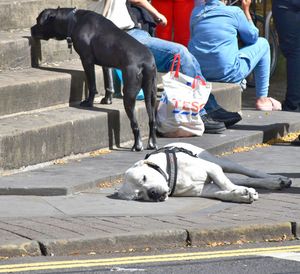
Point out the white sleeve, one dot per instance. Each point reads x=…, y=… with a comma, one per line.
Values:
x=119, y=15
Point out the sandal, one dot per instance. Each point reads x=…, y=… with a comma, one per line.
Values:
x=267, y=104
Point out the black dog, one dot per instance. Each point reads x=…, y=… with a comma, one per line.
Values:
x=98, y=41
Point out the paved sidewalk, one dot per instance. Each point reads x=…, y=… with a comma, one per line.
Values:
x=81, y=218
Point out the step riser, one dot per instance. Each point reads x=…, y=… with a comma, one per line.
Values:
x=50, y=51
x=23, y=53
x=47, y=144
x=228, y=96
x=38, y=95
x=98, y=130
x=63, y=87
x=12, y=13
x=14, y=54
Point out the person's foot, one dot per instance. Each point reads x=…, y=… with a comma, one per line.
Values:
x=227, y=117
x=267, y=104
x=211, y=126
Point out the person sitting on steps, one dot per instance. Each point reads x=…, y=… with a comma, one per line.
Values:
x=214, y=42
x=215, y=118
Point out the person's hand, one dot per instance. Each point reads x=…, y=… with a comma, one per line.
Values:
x=246, y=4
x=161, y=19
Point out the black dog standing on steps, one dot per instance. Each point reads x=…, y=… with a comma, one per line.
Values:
x=99, y=42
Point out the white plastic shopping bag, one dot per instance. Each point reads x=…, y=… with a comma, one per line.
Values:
x=181, y=101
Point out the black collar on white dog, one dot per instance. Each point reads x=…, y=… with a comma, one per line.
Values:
x=172, y=167
x=71, y=23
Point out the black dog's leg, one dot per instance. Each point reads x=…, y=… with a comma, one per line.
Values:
x=132, y=85
x=89, y=69
x=149, y=88
x=129, y=104
x=108, y=85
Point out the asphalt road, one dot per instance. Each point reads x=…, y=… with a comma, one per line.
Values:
x=281, y=257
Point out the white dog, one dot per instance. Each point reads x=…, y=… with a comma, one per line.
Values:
x=181, y=169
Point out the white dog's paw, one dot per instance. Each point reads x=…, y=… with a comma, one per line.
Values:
x=244, y=195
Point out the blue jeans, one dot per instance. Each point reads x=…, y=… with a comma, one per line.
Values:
x=255, y=58
x=164, y=51
x=287, y=21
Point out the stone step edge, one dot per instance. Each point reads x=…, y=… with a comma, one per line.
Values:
x=78, y=130
x=155, y=239
x=20, y=51
x=45, y=87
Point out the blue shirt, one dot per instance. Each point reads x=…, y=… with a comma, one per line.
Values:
x=214, y=29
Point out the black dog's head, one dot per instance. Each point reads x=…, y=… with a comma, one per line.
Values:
x=50, y=24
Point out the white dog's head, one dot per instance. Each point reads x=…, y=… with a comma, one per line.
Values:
x=143, y=182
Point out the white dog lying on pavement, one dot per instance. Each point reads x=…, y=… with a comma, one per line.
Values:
x=182, y=169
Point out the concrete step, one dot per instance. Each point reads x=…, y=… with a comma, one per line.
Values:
x=22, y=14
x=38, y=137
x=35, y=88
x=18, y=50
x=15, y=49
x=229, y=96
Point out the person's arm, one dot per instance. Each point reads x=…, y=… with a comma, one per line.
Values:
x=158, y=17
x=246, y=28
x=246, y=8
